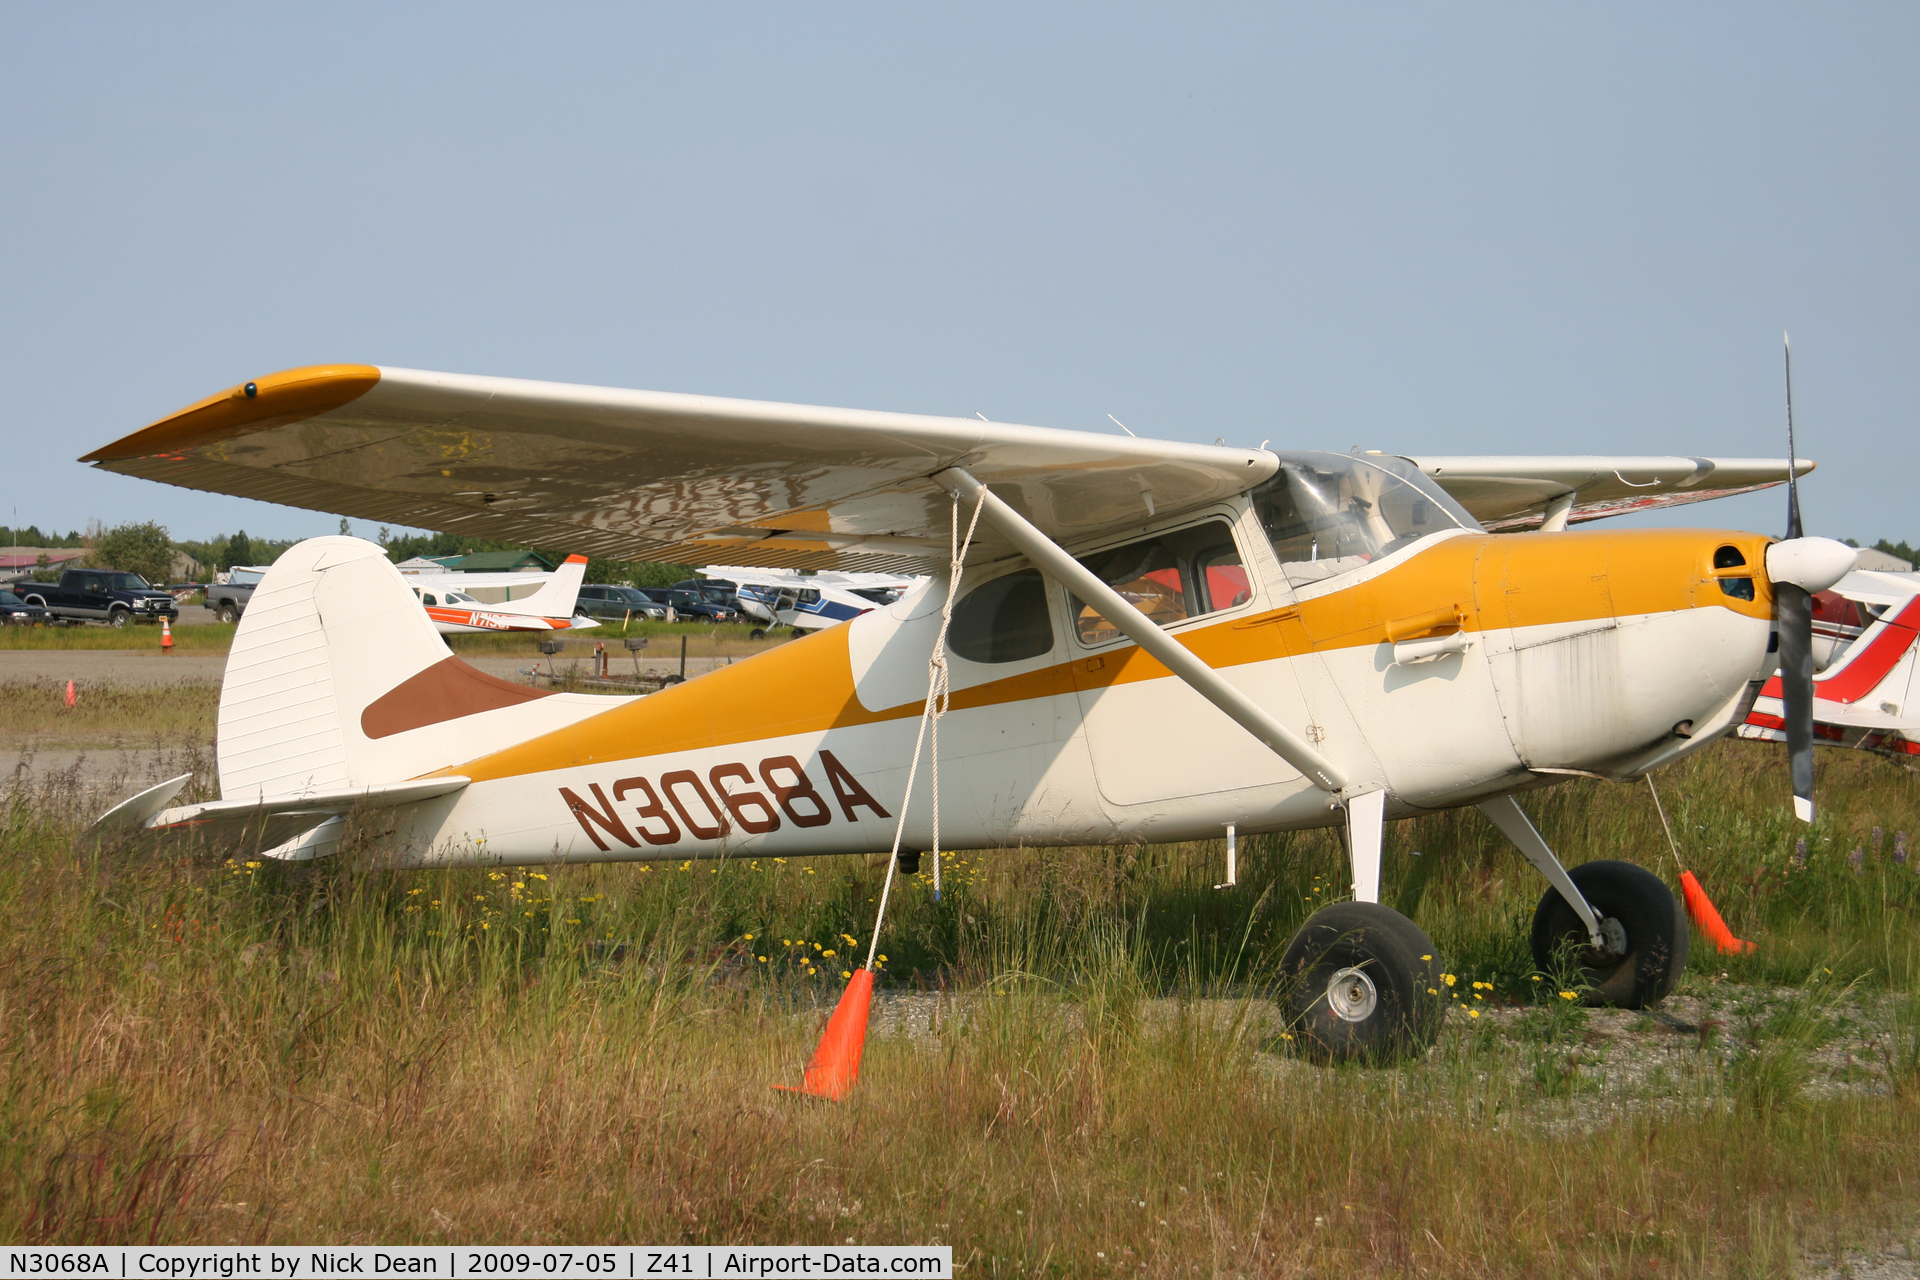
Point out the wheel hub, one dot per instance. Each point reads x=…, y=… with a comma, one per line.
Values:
x=1351, y=995
x=1613, y=939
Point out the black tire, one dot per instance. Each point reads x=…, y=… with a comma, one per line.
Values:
x=1363, y=983
x=1650, y=918
x=229, y=614
x=758, y=633
x=118, y=617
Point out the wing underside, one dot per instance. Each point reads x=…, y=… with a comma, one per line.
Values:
x=1511, y=493
x=654, y=476
x=645, y=475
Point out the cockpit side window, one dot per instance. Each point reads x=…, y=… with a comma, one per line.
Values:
x=1170, y=577
x=1002, y=621
x=1328, y=514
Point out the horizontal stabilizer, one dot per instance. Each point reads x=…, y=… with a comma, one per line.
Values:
x=132, y=813
x=389, y=795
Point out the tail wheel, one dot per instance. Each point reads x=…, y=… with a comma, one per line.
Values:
x=1645, y=929
x=1364, y=982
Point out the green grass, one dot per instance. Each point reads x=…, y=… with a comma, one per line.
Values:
x=193, y=1048
x=105, y=714
x=212, y=637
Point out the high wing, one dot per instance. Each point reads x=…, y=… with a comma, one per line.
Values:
x=646, y=475
x=1506, y=493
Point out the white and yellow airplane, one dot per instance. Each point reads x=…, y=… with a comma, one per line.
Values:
x=1149, y=641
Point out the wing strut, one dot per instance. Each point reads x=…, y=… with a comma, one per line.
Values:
x=1137, y=627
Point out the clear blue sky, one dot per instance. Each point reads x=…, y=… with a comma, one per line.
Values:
x=1425, y=229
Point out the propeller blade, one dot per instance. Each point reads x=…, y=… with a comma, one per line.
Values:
x=1794, y=529
x=1794, y=614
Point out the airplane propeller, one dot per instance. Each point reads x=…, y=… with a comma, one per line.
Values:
x=1799, y=568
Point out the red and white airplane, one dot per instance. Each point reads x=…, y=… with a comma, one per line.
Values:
x=454, y=612
x=1864, y=633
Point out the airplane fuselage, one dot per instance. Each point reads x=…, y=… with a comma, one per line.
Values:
x=1458, y=667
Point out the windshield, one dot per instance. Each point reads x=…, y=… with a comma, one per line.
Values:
x=126, y=582
x=1329, y=513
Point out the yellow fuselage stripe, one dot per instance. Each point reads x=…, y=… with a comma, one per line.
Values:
x=1491, y=582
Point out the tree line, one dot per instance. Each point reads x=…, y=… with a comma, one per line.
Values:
x=146, y=548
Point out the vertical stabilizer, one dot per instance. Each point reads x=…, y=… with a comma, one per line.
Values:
x=556, y=596
x=338, y=679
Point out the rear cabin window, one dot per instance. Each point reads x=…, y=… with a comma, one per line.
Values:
x=1002, y=621
x=1170, y=578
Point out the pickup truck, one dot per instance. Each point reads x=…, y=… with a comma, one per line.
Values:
x=105, y=595
x=229, y=599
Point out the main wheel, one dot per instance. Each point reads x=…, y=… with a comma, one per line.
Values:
x=1364, y=982
x=758, y=633
x=1645, y=929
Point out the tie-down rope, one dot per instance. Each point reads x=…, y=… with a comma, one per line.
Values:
x=936, y=706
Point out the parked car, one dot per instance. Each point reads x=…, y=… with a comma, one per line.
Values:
x=229, y=599
x=17, y=612
x=718, y=592
x=688, y=605
x=103, y=595
x=608, y=600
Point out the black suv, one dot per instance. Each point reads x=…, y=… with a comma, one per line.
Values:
x=606, y=600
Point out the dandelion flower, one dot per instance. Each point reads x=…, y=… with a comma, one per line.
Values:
x=1433, y=991
x=846, y=973
x=749, y=937
x=1569, y=995
x=1426, y=957
x=1448, y=978
x=1473, y=1013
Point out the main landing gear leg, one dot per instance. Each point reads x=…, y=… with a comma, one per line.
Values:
x=1366, y=813
x=1616, y=924
x=1362, y=978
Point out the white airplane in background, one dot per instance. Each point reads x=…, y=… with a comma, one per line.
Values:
x=810, y=602
x=454, y=612
x=1143, y=641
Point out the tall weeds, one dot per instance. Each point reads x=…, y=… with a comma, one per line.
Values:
x=195, y=1048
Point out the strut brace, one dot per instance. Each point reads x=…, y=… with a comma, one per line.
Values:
x=1137, y=627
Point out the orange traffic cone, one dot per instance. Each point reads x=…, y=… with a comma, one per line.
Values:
x=836, y=1063
x=69, y=693
x=1700, y=907
x=166, y=639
